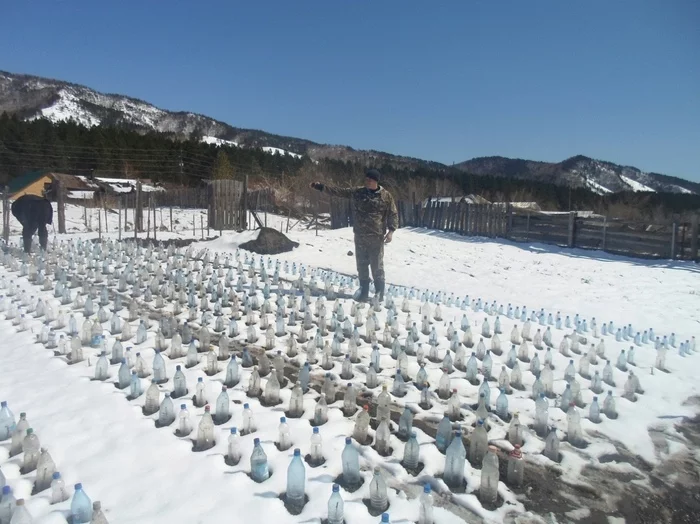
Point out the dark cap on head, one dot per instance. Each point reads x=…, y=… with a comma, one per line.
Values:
x=373, y=174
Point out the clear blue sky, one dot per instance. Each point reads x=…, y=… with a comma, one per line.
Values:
x=617, y=80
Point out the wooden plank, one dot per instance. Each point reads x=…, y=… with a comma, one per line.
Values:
x=694, y=233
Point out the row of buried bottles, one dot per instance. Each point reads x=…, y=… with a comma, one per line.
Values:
x=92, y=254
x=36, y=459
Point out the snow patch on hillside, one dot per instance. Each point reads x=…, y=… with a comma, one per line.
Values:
x=636, y=186
x=219, y=141
x=596, y=187
x=278, y=151
x=67, y=107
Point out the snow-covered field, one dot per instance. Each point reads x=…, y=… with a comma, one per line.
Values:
x=144, y=474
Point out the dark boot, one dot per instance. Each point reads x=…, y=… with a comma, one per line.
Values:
x=379, y=289
x=364, y=291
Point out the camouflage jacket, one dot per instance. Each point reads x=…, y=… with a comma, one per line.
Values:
x=373, y=211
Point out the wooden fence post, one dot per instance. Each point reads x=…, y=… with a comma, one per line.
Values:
x=674, y=234
x=694, y=237
x=119, y=202
x=509, y=220
x=155, y=222
x=60, y=205
x=6, y=216
x=572, y=229
x=244, y=203
x=605, y=232
x=99, y=224
x=527, y=228
x=138, y=208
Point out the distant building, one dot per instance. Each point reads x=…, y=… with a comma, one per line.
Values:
x=466, y=199
x=41, y=183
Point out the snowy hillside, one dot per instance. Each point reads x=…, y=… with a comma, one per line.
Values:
x=34, y=97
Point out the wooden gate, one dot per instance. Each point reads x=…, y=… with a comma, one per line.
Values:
x=227, y=206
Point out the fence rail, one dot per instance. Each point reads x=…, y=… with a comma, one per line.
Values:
x=636, y=239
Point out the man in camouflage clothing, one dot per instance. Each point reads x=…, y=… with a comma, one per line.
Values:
x=376, y=220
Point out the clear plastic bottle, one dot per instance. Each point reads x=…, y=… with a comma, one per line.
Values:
x=259, y=471
x=425, y=510
x=249, y=425
x=455, y=457
x=285, y=439
x=551, y=445
x=205, y=430
x=7, y=421
x=234, y=447
x=383, y=433
x=45, y=469
x=351, y=465
x=384, y=404
x=8, y=503
x=405, y=423
x=98, y=517
x=362, y=425
x=444, y=434
x=184, y=425
x=166, y=412
x=80, y=506
x=21, y=515
x=31, y=448
x=58, y=489
x=336, y=513
x=488, y=490
x=296, y=483
x=516, y=467
x=478, y=445
x=223, y=403
x=379, y=500
x=179, y=383
x=316, y=451
x=411, y=452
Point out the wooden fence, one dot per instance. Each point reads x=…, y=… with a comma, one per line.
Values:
x=636, y=239
x=227, y=204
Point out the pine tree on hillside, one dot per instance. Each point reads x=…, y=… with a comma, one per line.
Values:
x=222, y=169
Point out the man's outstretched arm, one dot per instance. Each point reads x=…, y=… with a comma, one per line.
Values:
x=342, y=192
x=392, y=219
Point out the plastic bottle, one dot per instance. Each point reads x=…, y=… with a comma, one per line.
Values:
x=488, y=490
x=411, y=452
x=249, y=425
x=205, y=430
x=223, y=403
x=594, y=411
x=382, y=435
x=516, y=467
x=98, y=517
x=443, y=436
x=8, y=503
x=21, y=515
x=378, y=497
x=80, y=506
x=425, y=510
x=259, y=471
x=361, y=425
x=541, y=415
x=45, y=469
x=551, y=445
x=31, y=450
x=166, y=411
x=58, y=489
x=7, y=421
x=184, y=425
x=479, y=444
x=285, y=439
x=152, y=401
x=316, y=451
x=351, y=465
x=455, y=457
x=336, y=513
x=296, y=483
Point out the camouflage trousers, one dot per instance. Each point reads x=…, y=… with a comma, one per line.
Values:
x=369, y=253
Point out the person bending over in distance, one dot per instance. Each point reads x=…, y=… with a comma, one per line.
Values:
x=34, y=213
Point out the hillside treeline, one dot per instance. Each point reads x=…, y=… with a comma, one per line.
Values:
x=118, y=152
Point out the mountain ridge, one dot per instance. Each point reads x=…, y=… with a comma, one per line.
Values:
x=30, y=97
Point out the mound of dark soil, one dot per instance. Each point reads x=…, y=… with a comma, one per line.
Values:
x=269, y=242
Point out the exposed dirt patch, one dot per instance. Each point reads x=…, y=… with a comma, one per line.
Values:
x=269, y=242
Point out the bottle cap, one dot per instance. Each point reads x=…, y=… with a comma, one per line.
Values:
x=246, y=406
x=516, y=453
x=427, y=488
x=234, y=431
x=315, y=430
x=30, y=431
x=78, y=486
x=336, y=488
x=256, y=441
x=297, y=452
x=56, y=475
x=348, y=440
x=97, y=505
x=284, y=419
